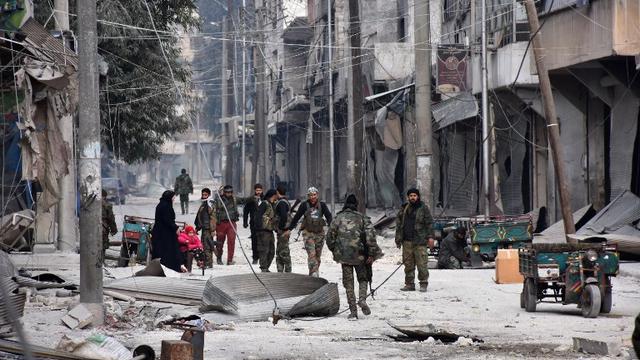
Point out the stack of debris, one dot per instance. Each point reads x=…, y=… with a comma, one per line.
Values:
x=618, y=223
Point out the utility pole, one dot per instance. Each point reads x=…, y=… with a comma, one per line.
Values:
x=244, y=95
x=485, y=115
x=67, y=219
x=553, y=127
x=227, y=94
x=260, y=120
x=355, y=137
x=90, y=183
x=331, y=130
x=424, y=136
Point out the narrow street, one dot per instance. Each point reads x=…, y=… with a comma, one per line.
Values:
x=466, y=302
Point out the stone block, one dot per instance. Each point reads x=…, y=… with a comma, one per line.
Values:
x=596, y=347
x=78, y=317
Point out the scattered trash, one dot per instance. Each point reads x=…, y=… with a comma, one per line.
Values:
x=463, y=341
x=95, y=346
x=78, y=317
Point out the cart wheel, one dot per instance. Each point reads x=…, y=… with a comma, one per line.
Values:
x=607, y=300
x=591, y=300
x=530, y=295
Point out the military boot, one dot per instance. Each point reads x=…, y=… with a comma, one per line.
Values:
x=408, y=287
x=423, y=286
x=363, y=298
x=353, y=312
x=219, y=261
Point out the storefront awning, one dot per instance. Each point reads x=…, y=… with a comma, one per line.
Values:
x=455, y=108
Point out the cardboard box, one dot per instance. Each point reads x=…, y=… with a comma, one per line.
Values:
x=507, y=267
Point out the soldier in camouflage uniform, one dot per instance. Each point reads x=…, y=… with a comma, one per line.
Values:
x=352, y=240
x=413, y=234
x=312, y=228
x=265, y=229
x=283, y=254
x=183, y=187
x=205, y=224
x=108, y=223
x=225, y=223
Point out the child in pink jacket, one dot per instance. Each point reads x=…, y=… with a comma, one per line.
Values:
x=189, y=244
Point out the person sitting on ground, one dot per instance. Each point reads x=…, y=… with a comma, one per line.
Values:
x=189, y=244
x=451, y=255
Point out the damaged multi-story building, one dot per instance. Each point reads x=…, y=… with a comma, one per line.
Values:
x=593, y=58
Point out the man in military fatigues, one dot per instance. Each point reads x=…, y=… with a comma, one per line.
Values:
x=226, y=223
x=352, y=240
x=451, y=254
x=413, y=233
x=312, y=228
x=205, y=224
x=249, y=219
x=108, y=223
x=183, y=187
x=265, y=228
x=283, y=254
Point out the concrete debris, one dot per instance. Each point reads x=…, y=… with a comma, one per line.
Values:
x=78, y=317
x=96, y=346
x=596, y=347
x=118, y=296
x=463, y=341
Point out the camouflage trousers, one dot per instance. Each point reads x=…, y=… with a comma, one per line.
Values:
x=348, y=283
x=184, y=203
x=283, y=254
x=313, y=243
x=415, y=256
x=266, y=249
x=208, y=247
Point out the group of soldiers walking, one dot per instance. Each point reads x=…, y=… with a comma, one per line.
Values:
x=350, y=235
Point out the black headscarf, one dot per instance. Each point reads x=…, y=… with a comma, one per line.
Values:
x=351, y=202
x=168, y=195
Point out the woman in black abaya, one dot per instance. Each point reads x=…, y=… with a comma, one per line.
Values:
x=164, y=235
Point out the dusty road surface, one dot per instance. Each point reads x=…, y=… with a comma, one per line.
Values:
x=465, y=302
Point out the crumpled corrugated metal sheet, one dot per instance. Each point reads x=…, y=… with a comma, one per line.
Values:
x=6, y=265
x=247, y=298
x=162, y=289
x=623, y=210
x=18, y=301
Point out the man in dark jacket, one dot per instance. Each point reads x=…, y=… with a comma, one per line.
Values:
x=183, y=187
x=312, y=211
x=265, y=227
x=283, y=254
x=413, y=233
x=249, y=213
x=352, y=240
x=108, y=223
x=205, y=224
x=451, y=254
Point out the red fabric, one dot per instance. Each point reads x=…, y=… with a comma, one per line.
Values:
x=226, y=231
x=189, y=229
x=188, y=242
